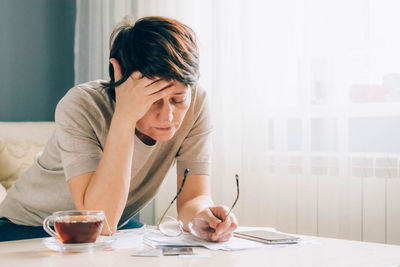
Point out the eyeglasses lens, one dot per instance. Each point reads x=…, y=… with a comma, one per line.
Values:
x=170, y=227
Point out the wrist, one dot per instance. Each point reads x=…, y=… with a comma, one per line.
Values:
x=122, y=120
x=194, y=207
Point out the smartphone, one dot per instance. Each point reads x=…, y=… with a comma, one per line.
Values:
x=268, y=237
x=176, y=251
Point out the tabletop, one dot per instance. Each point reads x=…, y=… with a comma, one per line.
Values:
x=322, y=252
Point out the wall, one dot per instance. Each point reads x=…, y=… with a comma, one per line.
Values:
x=36, y=52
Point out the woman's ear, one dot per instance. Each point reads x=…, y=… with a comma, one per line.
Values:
x=117, y=69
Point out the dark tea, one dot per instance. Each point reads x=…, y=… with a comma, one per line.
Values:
x=78, y=229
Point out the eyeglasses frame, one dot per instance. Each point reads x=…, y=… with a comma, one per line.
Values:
x=180, y=190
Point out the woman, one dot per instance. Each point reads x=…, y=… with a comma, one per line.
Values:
x=115, y=141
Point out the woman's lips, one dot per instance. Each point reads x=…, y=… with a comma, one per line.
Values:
x=165, y=129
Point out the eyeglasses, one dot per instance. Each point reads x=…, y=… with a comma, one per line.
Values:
x=170, y=226
x=237, y=195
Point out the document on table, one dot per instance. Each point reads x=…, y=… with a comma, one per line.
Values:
x=135, y=238
x=156, y=239
x=132, y=238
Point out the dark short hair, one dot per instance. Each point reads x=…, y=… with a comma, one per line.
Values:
x=154, y=46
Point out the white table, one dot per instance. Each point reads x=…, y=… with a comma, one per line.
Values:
x=327, y=252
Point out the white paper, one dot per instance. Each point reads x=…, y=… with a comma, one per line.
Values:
x=156, y=239
x=132, y=238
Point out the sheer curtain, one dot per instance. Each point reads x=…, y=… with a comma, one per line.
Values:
x=94, y=22
x=305, y=101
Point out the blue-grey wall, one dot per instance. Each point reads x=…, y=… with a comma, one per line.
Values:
x=36, y=56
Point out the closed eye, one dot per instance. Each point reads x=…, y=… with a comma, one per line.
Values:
x=179, y=100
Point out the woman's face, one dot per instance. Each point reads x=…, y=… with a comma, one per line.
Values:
x=165, y=116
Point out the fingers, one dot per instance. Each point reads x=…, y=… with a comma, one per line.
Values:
x=224, y=230
x=225, y=237
x=212, y=220
x=201, y=228
x=219, y=211
x=211, y=224
x=158, y=85
x=162, y=93
x=152, y=86
x=135, y=75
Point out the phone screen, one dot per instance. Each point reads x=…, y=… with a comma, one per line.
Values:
x=176, y=251
x=268, y=235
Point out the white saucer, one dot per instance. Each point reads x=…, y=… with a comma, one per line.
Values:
x=55, y=244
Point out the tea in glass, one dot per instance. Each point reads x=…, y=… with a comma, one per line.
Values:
x=75, y=226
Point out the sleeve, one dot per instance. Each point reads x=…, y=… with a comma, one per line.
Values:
x=195, y=151
x=78, y=144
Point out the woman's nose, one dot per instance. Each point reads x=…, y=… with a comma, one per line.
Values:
x=166, y=113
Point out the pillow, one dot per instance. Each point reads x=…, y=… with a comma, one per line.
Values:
x=16, y=157
x=3, y=193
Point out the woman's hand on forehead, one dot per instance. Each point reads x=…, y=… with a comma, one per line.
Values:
x=147, y=82
x=135, y=96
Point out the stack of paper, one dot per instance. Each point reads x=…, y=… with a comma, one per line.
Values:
x=136, y=237
x=132, y=238
x=156, y=239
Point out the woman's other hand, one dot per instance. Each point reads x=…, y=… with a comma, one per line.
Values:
x=212, y=224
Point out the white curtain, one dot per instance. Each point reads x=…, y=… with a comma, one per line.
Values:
x=94, y=22
x=305, y=98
